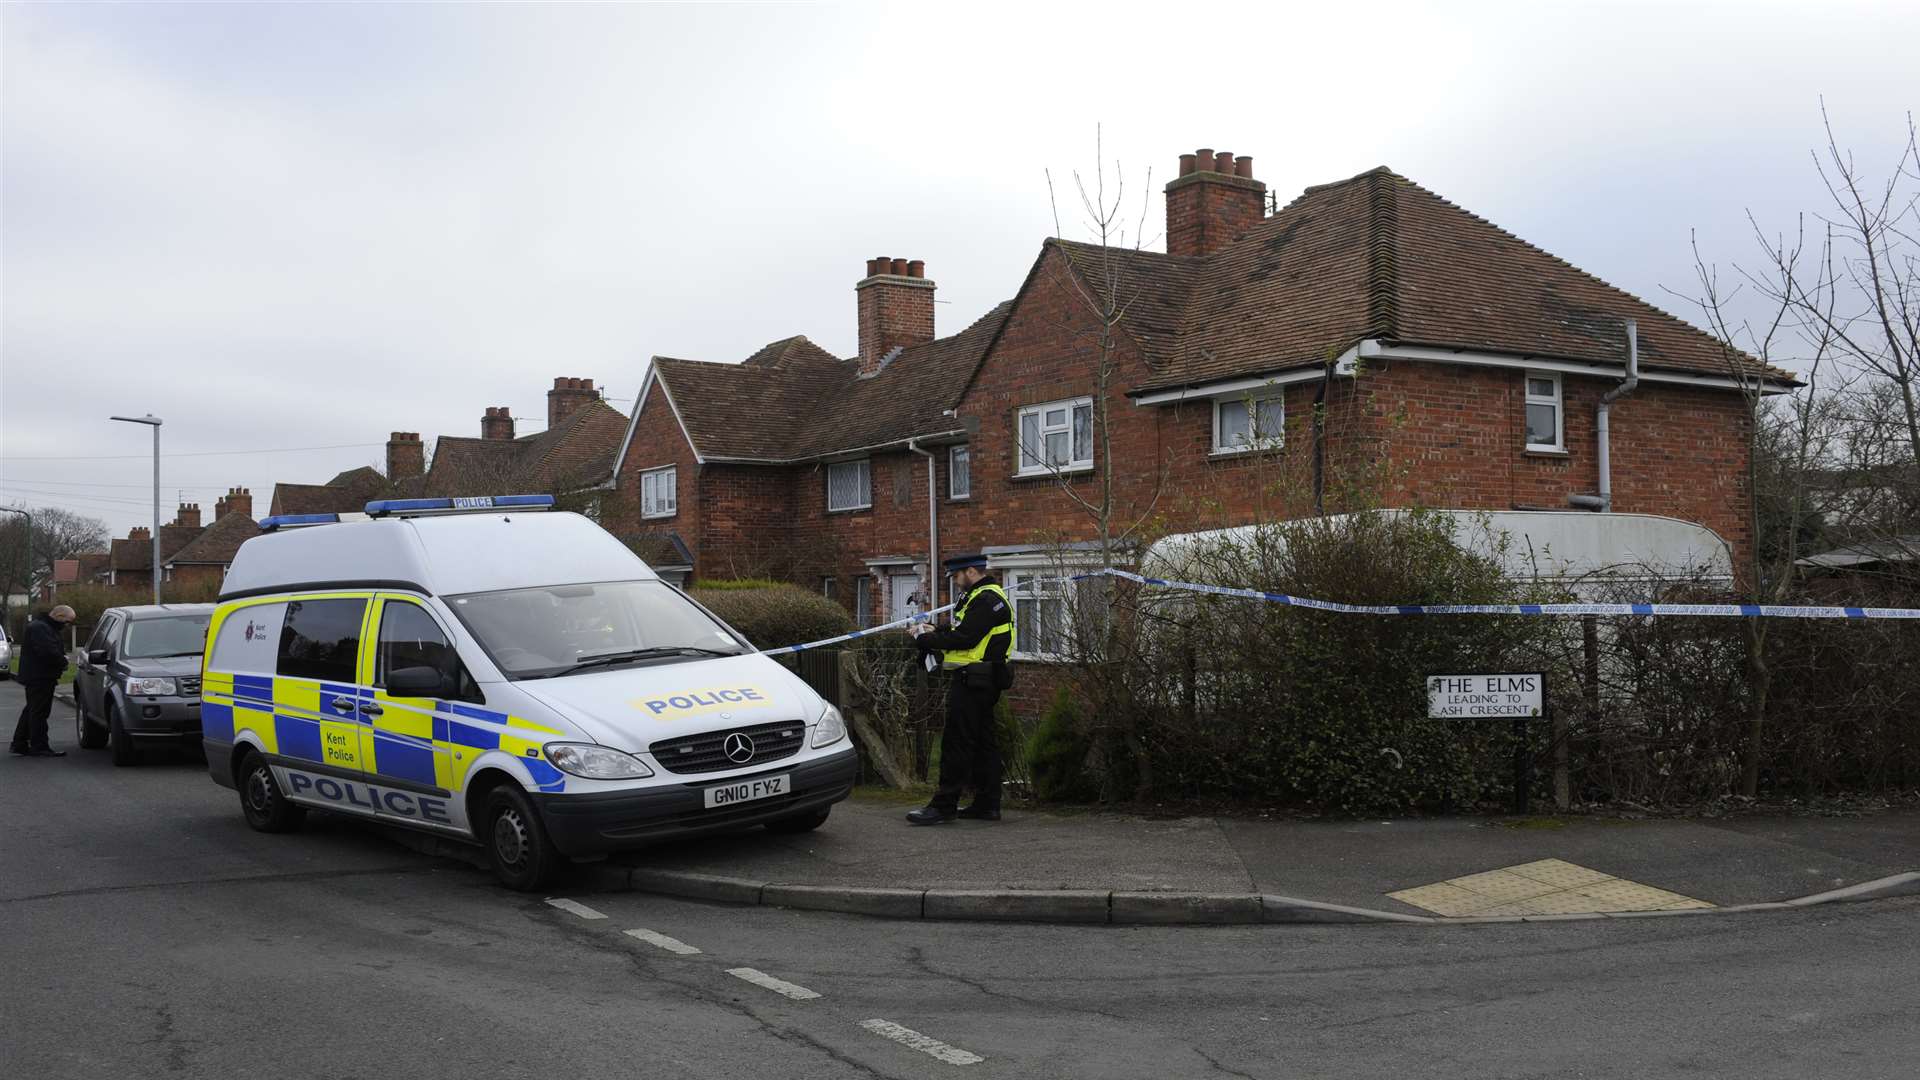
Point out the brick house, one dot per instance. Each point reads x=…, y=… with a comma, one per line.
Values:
x=205, y=560
x=1368, y=343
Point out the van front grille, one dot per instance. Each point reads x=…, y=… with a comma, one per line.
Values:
x=707, y=752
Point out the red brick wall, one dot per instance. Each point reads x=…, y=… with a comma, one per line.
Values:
x=1207, y=210
x=658, y=441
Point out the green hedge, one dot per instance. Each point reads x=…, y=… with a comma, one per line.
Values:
x=771, y=614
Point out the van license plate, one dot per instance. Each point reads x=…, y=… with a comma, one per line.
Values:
x=764, y=787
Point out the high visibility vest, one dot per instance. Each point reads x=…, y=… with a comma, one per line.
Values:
x=959, y=658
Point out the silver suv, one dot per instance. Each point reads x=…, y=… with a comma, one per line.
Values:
x=139, y=679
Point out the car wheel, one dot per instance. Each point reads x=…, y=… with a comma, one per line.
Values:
x=119, y=743
x=800, y=823
x=261, y=802
x=91, y=735
x=522, y=855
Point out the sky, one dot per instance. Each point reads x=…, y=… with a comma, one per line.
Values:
x=288, y=230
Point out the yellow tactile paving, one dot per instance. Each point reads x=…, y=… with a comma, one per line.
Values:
x=1545, y=887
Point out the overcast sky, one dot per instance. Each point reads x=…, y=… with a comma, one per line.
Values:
x=289, y=227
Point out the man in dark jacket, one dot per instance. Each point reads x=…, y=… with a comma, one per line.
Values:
x=974, y=653
x=42, y=661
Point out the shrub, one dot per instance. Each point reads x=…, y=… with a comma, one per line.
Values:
x=1056, y=752
x=774, y=615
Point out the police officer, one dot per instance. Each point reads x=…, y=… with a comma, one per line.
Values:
x=974, y=654
x=41, y=662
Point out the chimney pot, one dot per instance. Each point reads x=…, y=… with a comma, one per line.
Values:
x=1186, y=165
x=1203, y=159
x=916, y=268
x=1202, y=218
x=1243, y=166
x=893, y=313
x=899, y=268
x=1223, y=162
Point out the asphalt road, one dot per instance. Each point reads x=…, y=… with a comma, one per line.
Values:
x=149, y=933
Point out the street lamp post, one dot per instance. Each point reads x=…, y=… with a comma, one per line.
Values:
x=154, y=422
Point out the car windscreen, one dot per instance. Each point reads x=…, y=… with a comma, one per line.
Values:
x=174, y=635
x=561, y=629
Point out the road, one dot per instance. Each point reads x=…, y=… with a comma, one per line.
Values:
x=149, y=933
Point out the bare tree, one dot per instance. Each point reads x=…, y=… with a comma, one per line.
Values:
x=55, y=534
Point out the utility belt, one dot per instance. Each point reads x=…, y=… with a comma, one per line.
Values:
x=985, y=675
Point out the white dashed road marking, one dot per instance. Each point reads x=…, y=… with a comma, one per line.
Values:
x=577, y=908
x=672, y=945
x=778, y=986
x=952, y=1055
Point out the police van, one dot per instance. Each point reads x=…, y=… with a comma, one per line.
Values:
x=500, y=673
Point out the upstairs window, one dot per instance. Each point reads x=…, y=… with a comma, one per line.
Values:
x=659, y=493
x=959, y=473
x=1056, y=437
x=1242, y=424
x=1545, y=431
x=849, y=486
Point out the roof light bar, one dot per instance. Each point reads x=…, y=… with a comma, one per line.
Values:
x=298, y=521
x=400, y=507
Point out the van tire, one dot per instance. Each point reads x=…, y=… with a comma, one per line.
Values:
x=522, y=855
x=119, y=743
x=800, y=823
x=261, y=802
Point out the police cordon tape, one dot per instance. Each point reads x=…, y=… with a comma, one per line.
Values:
x=1766, y=611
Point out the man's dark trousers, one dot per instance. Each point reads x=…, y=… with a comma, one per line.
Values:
x=31, y=732
x=969, y=748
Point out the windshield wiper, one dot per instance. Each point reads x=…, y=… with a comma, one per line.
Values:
x=627, y=655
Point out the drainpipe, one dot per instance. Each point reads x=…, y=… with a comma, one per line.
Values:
x=1603, y=432
x=933, y=527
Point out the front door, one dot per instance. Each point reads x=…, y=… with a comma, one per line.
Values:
x=903, y=596
x=408, y=759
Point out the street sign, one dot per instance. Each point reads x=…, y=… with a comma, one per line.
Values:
x=1485, y=697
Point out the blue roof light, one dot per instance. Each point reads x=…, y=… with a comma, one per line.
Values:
x=386, y=507
x=288, y=521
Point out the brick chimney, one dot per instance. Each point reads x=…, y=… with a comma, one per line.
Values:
x=407, y=455
x=497, y=424
x=1213, y=200
x=896, y=308
x=140, y=532
x=235, y=501
x=188, y=515
x=566, y=396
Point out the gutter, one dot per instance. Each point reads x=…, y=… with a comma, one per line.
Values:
x=836, y=455
x=933, y=527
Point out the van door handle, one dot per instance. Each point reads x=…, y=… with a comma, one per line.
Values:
x=344, y=704
x=371, y=708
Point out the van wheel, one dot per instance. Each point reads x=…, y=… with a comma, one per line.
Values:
x=119, y=743
x=91, y=735
x=800, y=823
x=261, y=802
x=523, y=857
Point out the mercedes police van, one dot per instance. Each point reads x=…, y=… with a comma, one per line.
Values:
x=496, y=672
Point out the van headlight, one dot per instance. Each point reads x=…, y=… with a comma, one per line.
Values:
x=831, y=728
x=595, y=762
x=160, y=687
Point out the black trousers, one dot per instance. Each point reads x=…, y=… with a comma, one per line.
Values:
x=31, y=732
x=969, y=748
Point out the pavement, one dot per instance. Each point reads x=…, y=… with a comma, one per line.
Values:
x=1099, y=867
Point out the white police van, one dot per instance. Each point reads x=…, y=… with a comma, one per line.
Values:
x=488, y=670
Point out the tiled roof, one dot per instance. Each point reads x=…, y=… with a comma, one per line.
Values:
x=218, y=542
x=1379, y=256
x=575, y=453
x=94, y=565
x=130, y=554
x=763, y=408
x=313, y=499
x=659, y=549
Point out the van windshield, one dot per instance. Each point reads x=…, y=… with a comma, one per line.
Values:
x=562, y=629
x=176, y=635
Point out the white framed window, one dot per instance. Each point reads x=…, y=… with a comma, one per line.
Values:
x=1056, y=437
x=659, y=493
x=1047, y=607
x=1545, y=427
x=959, y=472
x=1248, y=423
x=863, y=601
x=849, y=485
x=829, y=588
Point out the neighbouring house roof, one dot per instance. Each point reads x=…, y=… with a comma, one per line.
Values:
x=1899, y=549
x=577, y=452
x=1378, y=256
x=130, y=554
x=95, y=564
x=346, y=493
x=660, y=550
x=66, y=571
x=218, y=542
x=760, y=409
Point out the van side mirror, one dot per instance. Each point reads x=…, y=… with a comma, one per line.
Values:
x=417, y=682
x=96, y=656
